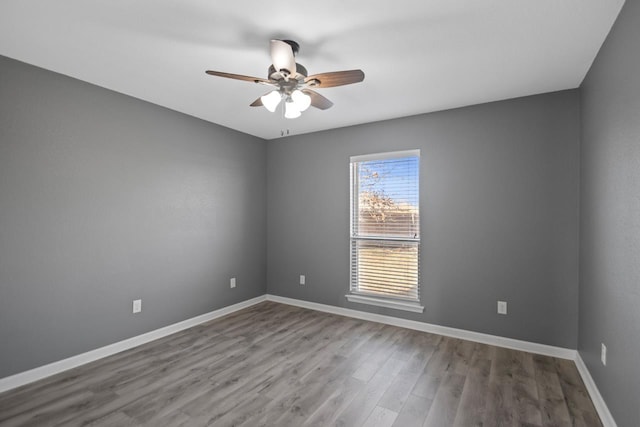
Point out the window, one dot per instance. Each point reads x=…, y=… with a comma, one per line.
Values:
x=385, y=230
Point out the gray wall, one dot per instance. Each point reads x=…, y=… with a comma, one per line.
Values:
x=610, y=218
x=499, y=205
x=105, y=199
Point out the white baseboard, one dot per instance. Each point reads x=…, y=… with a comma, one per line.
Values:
x=41, y=372
x=596, y=397
x=547, y=350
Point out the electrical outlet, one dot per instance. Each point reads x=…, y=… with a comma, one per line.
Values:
x=303, y=280
x=502, y=307
x=137, y=305
x=603, y=354
x=232, y=283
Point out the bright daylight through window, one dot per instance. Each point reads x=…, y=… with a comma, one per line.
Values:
x=385, y=230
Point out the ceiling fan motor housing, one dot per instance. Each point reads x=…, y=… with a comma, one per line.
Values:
x=295, y=47
x=273, y=74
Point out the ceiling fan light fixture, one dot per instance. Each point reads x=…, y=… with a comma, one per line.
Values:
x=291, y=110
x=271, y=100
x=301, y=99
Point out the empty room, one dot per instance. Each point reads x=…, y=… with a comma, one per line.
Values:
x=337, y=214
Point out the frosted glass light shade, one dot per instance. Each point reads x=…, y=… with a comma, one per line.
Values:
x=301, y=99
x=291, y=110
x=271, y=100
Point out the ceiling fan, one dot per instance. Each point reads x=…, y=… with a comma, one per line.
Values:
x=292, y=83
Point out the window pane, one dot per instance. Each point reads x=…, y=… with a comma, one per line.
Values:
x=388, y=198
x=386, y=268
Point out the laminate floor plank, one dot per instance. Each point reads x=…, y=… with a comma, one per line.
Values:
x=473, y=399
x=413, y=412
x=381, y=417
x=278, y=365
x=304, y=392
x=337, y=402
x=462, y=357
x=399, y=390
x=354, y=344
x=316, y=388
x=366, y=400
x=578, y=402
x=436, y=368
x=115, y=419
x=253, y=405
x=500, y=409
x=49, y=409
x=553, y=406
x=445, y=404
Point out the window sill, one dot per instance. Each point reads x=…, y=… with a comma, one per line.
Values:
x=383, y=302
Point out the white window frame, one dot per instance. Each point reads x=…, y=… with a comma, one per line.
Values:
x=367, y=298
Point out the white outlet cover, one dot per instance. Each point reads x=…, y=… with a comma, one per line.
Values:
x=502, y=307
x=137, y=306
x=302, y=279
x=603, y=354
x=232, y=283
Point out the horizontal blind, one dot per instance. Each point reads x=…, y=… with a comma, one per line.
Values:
x=385, y=226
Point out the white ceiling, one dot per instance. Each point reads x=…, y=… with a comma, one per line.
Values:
x=418, y=56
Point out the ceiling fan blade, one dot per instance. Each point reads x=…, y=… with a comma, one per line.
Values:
x=318, y=100
x=237, y=77
x=256, y=103
x=336, y=78
x=282, y=56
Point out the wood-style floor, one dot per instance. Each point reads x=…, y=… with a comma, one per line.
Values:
x=278, y=365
